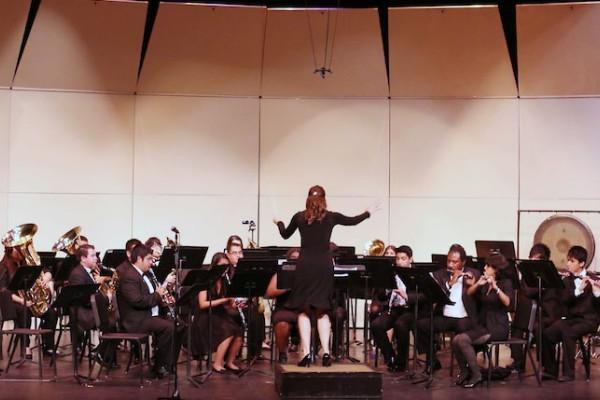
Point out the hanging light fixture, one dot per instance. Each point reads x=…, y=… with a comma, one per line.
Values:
x=330, y=33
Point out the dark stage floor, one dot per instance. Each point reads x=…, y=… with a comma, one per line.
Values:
x=259, y=384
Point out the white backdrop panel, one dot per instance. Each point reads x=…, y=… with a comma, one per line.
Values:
x=530, y=221
x=206, y=50
x=193, y=145
x=12, y=26
x=202, y=220
x=559, y=151
x=454, y=148
x=340, y=144
x=284, y=207
x=431, y=225
x=71, y=142
x=84, y=45
x=4, y=134
x=104, y=219
x=4, y=213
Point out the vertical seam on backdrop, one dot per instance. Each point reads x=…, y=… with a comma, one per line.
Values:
x=260, y=100
x=518, y=174
x=389, y=194
x=8, y=156
x=132, y=201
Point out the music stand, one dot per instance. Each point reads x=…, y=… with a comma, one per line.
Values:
x=420, y=280
x=505, y=247
x=190, y=256
x=251, y=279
x=346, y=278
x=257, y=254
x=543, y=275
x=275, y=251
x=75, y=296
x=114, y=257
x=198, y=280
x=64, y=268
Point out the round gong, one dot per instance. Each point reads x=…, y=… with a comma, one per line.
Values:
x=562, y=231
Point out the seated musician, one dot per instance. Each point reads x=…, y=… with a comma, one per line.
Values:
x=390, y=251
x=552, y=307
x=226, y=324
x=15, y=307
x=139, y=303
x=156, y=246
x=129, y=246
x=283, y=318
x=494, y=293
x=459, y=317
x=394, y=310
x=581, y=297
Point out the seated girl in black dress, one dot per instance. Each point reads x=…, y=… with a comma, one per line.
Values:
x=227, y=329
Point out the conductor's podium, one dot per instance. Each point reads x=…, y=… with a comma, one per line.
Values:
x=340, y=381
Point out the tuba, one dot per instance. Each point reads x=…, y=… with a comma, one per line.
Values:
x=375, y=247
x=21, y=239
x=69, y=242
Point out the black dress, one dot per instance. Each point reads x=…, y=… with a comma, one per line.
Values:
x=493, y=315
x=313, y=281
x=225, y=322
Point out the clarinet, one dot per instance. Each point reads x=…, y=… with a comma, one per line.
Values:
x=239, y=309
x=167, y=299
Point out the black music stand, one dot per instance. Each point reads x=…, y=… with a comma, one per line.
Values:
x=505, y=247
x=250, y=280
x=198, y=280
x=190, y=256
x=114, y=257
x=347, y=278
x=74, y=296
x=421, y=280
x=543, y=275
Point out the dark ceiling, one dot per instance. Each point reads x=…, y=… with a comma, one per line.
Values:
x=507, y=9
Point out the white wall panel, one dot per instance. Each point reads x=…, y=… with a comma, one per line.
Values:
x=203, y=49
x=104, y=219
x=12, y=26
x=284, y=207
x=4, y=213
x=454, y=148
x=358, y=62
x=559, y=153
x=84, y=45
x=449, y=52
x=431, y=225
x=558, y=49
x=191, y=145
x=71, y=142
x=339, y=144
x=202, y=220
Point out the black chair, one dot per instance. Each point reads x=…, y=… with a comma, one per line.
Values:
x=101, y=317
x=18, y=336
x=525, y=317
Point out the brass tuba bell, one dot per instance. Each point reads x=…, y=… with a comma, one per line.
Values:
x=69, y=242
x=21, y=239
x=375, y=247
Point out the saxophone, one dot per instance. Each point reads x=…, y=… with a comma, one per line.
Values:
x=21, y=239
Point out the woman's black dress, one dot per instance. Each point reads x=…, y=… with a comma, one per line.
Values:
x=226, y=322
x=313, y=280
x=493, y=315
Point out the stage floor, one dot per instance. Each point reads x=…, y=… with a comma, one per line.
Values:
x=259, y=384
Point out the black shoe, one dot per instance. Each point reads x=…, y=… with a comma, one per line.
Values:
x=305, y=362
x=567, y=378
x=473, y=382
x=462, y=378
x=392, y=364
x=546, y=376
x=161, y=372
x=436, y=366
x=326, y=360
x=283, y=359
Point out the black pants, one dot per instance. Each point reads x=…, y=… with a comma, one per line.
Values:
x=401, y=320
x=48, y=321
x=440, y=324
x=163, y=332
x=566, y=331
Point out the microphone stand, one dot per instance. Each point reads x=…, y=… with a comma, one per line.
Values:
x=175, y=394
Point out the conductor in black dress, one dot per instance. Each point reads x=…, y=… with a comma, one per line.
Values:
x=313, y=283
